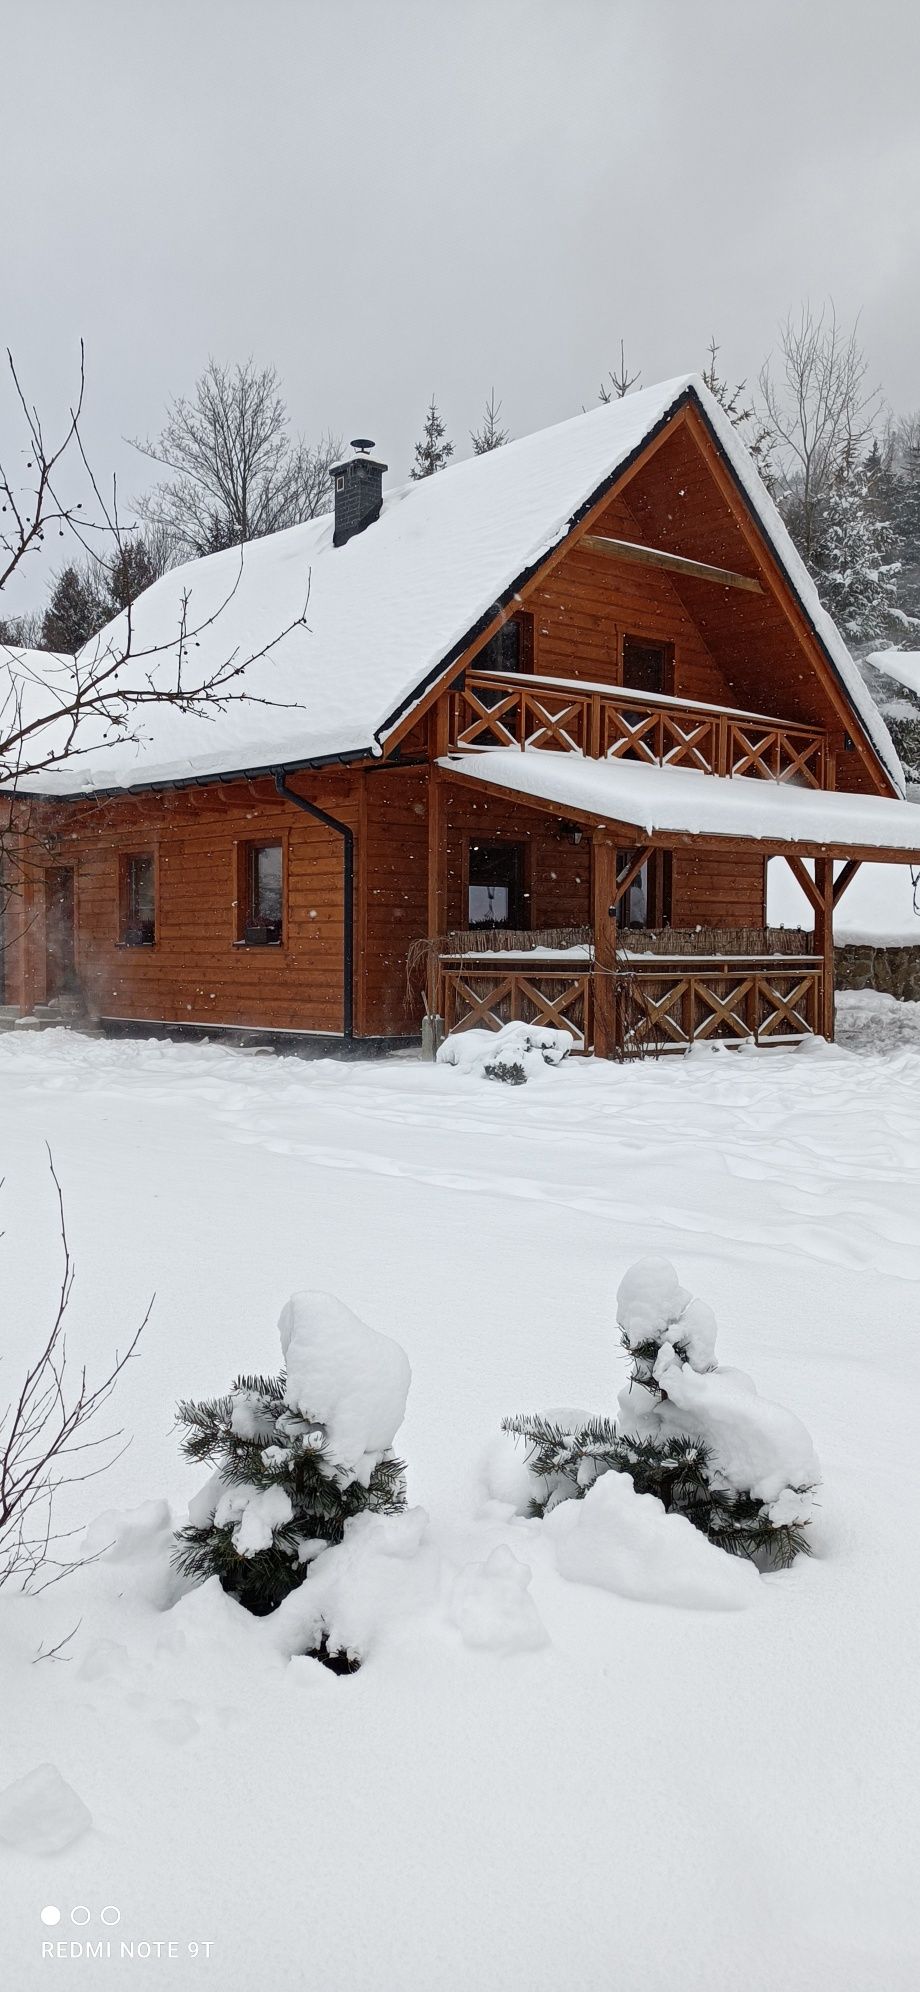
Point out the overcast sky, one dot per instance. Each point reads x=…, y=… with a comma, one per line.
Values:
x=390, y=199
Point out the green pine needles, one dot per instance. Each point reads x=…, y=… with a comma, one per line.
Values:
x=676, y=1469
x=276, y=1499
x=698, y=1438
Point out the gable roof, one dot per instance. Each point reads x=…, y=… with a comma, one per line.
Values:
x=386, y=613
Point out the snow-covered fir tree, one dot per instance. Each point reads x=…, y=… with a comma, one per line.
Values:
x=694, y=1435
x=295, y=1456
x=855, y=558
x=433, y=451
x=490, y=435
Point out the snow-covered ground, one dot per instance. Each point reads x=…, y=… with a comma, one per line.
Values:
x=607, y=1790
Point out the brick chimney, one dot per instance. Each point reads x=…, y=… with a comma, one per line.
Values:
x=358, y=485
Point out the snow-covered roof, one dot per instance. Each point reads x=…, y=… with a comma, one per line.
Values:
x=901, y=665
x=680, y=800
x=383, y=614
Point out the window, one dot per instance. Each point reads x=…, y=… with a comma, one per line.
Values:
x=138, y=900
x=496, y=896
x=647, y=902
x=262, y=895
x=511, y=649
x=646, y=666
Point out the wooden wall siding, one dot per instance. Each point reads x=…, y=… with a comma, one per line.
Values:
x=557, y=873
x=588, y=604
x=393, y=897
x=676, y=503
x=195, y=973
x=718, y=889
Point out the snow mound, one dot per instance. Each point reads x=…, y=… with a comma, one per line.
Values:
x=624, y=1542
x=121, y=1534
x=348, y=1377
x=41, y=1813
x=376, y=1581
x=491, y=1608
x=528, y=1045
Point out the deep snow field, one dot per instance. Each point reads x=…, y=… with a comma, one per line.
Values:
x=653, y=1796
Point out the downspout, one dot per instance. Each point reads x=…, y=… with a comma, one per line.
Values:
x=347, y=835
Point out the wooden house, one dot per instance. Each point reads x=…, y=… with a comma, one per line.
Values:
x=514, y=741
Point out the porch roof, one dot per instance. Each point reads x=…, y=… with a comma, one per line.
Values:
x=675, y=806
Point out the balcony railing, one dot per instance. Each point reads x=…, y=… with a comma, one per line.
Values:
x=506, y=709
x=657, y=1003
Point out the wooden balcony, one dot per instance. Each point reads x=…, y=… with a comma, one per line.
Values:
x=499, y=709
x=657, y=1002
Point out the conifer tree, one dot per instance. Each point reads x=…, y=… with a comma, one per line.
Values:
x=855, y=559
x=491, y=435
x=673, y=1435
x=432, y=451
x=74, y=613
x=286, y=1479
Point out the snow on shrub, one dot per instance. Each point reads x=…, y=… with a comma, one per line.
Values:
x=697, y=1437
x=296, y=1455
x=514, y=1054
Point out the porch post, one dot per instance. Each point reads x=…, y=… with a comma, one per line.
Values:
x=437, y=874
x=824, y=941
x=603, y=898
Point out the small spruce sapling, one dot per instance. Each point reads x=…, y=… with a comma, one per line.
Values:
x=296, y=1456
x=697, y=1437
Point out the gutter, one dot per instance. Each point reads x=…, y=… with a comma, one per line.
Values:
x=347, y=835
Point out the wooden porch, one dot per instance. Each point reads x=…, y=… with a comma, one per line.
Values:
x=664, y=992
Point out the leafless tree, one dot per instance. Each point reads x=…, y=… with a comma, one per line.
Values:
x=821, y=412
x=236, y=474
x=46, y=702
x=46, y=1441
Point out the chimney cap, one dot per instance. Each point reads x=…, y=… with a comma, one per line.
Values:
x=362, y=443
x=358, y=452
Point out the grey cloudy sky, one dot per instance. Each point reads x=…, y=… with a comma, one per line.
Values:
x=389, y=198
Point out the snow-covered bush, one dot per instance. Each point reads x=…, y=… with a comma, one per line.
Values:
x=514, y=1054
x=696, y=1436
x=296, y=1455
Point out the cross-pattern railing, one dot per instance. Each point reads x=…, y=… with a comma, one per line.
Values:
x=505, y=709
x=663, y=1004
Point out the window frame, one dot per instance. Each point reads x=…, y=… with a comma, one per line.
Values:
x=129, y=935
x=648, y=643
x=523, y=620
x=522, y=849
x=246, y=932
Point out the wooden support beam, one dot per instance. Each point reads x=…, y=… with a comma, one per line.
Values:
x=846, y=877
x=437, y=872
x=603, y=904
x=807, y=884
x=626, y=878
x=674, y=563
x=824, y=942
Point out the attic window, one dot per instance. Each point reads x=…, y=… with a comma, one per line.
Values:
x=511, y=648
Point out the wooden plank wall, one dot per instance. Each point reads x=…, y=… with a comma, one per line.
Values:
x=588, y=604
x=197, y=972
x=393, y=897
